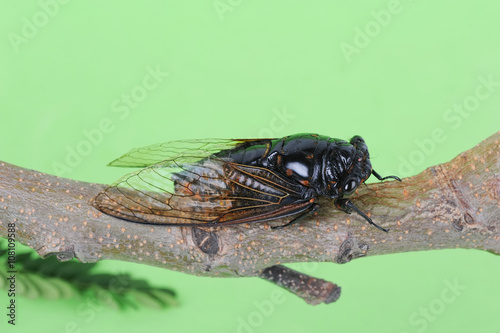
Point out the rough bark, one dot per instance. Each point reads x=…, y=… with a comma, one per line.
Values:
x=452, y=205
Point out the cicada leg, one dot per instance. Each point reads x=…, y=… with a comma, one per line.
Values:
x=379, y=177
x=309, y=210
x=347, y=206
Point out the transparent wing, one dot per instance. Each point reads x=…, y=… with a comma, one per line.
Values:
x=210, y=192
x=181, y=151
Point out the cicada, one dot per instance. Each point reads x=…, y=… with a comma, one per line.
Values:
x=222, y=182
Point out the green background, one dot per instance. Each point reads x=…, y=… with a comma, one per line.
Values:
x=390, y=71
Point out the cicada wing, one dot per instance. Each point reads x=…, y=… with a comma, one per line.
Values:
x=180, y=152
x=210, y=192
x=163, y=194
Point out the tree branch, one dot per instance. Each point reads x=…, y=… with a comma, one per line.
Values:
x=452, y=205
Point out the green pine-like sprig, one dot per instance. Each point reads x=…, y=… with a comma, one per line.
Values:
x=53, y=279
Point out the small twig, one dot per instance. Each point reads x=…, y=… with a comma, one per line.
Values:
x=313, y=291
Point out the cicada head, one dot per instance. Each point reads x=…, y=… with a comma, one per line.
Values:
x=359, y=170
x=348, y=168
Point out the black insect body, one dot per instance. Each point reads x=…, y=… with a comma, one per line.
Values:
x=222, y=182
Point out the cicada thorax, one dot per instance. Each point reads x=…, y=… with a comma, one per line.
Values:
x=321, y=163
x=299, y=157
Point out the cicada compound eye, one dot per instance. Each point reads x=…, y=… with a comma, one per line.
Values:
x=350, y=186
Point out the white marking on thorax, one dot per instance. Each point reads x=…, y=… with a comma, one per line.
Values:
x=298, y=168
